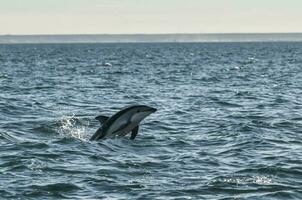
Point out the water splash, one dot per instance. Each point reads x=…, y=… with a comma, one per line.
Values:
x=35, y=165
x=261, y=180
x=69, y=127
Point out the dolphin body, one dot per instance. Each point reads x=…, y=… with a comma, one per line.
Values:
x=125, y=121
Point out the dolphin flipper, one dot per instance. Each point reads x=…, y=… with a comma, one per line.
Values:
x=134, y=133
x=102, y=119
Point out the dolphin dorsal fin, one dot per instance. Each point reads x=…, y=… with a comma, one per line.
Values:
x=134, y=133
x=102, y=119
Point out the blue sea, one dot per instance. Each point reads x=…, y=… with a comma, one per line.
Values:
x=228, y=123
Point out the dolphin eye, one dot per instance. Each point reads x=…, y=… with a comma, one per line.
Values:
x=137, y=111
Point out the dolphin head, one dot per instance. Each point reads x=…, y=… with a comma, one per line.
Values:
x=140, y=112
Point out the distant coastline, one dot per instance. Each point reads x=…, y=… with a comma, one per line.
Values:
x=147, y=38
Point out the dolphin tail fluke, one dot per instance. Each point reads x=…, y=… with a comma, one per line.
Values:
x=134, y=133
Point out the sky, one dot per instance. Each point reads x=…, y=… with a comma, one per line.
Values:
x=19, y=17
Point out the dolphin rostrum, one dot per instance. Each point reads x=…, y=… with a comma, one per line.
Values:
x=125, y=121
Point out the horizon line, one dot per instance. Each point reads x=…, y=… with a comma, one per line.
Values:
x=212, y=33
x=144, y=37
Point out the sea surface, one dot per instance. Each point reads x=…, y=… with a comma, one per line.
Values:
x=228, y=124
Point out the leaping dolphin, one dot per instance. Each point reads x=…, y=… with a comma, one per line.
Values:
x=123, y=122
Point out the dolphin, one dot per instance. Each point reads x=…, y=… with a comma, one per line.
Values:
x=123, y=122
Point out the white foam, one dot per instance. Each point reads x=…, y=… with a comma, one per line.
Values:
x=69, y=128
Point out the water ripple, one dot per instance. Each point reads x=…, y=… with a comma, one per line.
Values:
x=228, y=124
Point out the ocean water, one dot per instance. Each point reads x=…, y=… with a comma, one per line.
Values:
x=228, y=125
